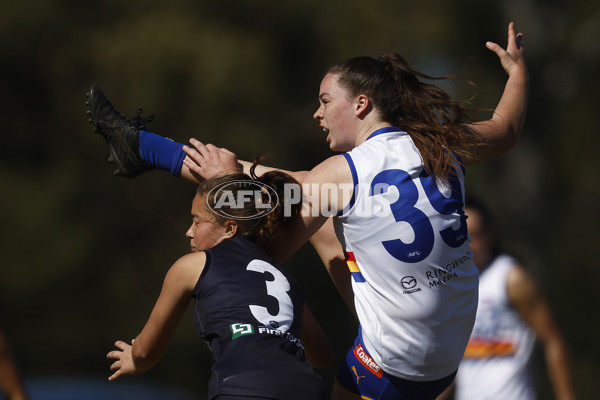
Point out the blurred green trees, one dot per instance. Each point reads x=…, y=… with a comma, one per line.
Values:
x=84, y=253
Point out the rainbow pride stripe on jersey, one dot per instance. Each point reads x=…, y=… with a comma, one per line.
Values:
x=353, y=267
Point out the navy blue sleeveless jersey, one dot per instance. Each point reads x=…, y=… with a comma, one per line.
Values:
x=250, y=313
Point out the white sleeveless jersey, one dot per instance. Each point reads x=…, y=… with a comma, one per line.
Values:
x=414, y=282
x=497, y=357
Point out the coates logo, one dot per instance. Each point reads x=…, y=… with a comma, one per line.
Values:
x=238, y=194
x=408, y=282
x=366, y=360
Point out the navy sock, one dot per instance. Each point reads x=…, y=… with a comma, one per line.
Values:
x=161, y=152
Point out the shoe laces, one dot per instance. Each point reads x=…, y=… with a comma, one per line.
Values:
x=139, y=121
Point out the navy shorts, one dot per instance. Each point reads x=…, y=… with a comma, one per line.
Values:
x=361, y=376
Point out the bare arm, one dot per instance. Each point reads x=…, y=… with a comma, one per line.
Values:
x=331, y=253
x=149, y=346
x=318, y=349
x=204, y=161
x=333, y=174
x=448, y=393
x=527, y=299
x=500, y=133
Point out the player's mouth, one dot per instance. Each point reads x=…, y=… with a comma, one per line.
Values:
x=328, y=137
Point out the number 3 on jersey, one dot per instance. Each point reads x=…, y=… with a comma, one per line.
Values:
x=277, y=288
x=405, y=209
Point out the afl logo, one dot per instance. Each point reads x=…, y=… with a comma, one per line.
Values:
x=414, y=254
x=408, y=282
x=232, y=195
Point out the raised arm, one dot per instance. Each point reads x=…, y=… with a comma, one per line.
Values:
x=500, y=133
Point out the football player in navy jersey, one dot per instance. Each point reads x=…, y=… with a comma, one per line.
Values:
x=252, y=314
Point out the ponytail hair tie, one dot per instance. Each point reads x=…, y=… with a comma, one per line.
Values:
x=386, y=64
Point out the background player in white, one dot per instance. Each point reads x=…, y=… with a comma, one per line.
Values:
x=512, y=314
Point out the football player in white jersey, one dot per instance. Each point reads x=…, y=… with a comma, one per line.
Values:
x=414, y=283
x=396, y=197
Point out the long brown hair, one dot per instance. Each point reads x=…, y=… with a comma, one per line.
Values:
x=426, y=112
x=262, y=229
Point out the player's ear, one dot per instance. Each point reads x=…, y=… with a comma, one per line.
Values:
x=231, y=228
x=362, y=105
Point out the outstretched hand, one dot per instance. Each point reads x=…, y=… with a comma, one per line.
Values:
x=500, y=133
x=123, y=364
x=208, y=161
x=512, y=58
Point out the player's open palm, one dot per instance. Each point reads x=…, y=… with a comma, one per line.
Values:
x=123, y=364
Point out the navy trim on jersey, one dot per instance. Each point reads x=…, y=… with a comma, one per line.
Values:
x=354, y=182
x=383, y=130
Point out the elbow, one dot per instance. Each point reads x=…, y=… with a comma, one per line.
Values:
x=512, y=137
x=506, y=139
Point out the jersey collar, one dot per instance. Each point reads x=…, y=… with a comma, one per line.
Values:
x=383, y=130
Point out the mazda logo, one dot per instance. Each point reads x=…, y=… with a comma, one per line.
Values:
x=408, y=282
